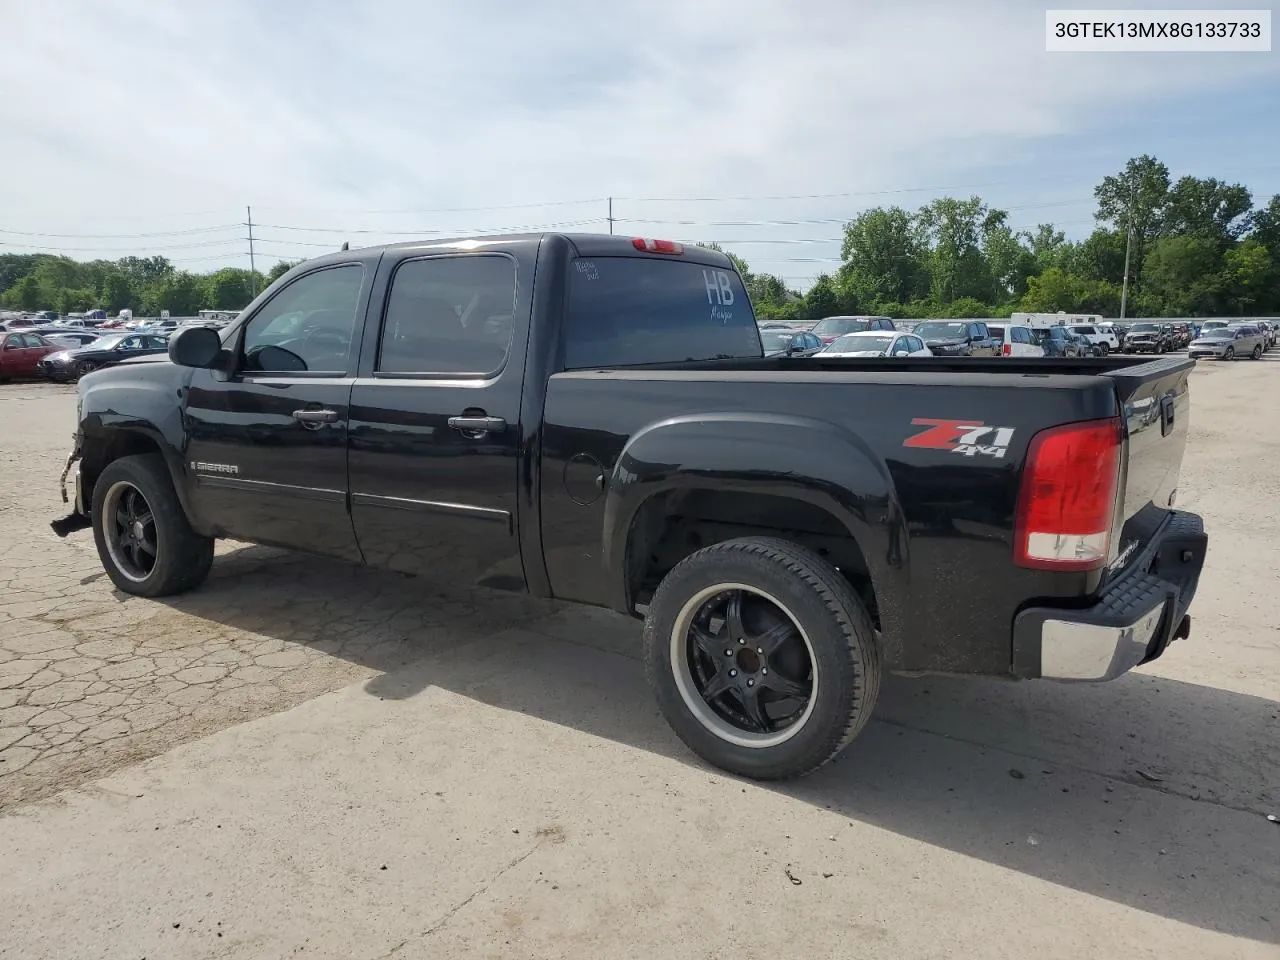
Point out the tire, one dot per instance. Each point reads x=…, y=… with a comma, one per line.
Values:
x=1230, y=354
x=1103, y=349
x=1257, y=353
x=81, y=368
x=810, y=627
x=134, y=496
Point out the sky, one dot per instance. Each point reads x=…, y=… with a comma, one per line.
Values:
x=149, y=126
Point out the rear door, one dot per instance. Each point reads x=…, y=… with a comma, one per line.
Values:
x=13, y=354
x=435, y=431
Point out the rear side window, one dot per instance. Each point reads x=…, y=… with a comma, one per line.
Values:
x=623, y=311
x=449, y=315
x=1085, y=331
x=997, y=332
x=1021, y=335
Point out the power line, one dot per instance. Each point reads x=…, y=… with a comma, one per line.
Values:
x=122, y=236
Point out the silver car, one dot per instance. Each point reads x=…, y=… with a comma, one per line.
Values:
x=1228, y=343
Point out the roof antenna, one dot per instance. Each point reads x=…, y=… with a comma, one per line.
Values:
x=346, y=245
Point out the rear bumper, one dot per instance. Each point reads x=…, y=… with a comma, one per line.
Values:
x=1134, y=618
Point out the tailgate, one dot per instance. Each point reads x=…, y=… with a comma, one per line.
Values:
x=1155, y=403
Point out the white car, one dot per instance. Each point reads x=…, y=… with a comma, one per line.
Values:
x=1016, y=340
x=1098, y=335
x=876, y=343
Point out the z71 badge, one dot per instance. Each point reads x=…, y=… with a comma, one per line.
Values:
x=969, y=437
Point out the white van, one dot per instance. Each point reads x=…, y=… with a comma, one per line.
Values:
x=1015, y=340
x=1098, y=334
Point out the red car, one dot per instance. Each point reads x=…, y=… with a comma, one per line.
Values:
x=20, y=352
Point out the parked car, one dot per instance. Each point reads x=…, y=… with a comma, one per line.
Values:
x=957, y=338
x=1116, y=330
x=1015, y=340
x=787, y=535
x=21, y=353
x=1268, y=329
x=1086, y=347
x=1148, y=338
x=69, y=338
x=776, y=325
x=1250, y=340
x=1101, y=338
x=876, y=343
x=829, y=328
x=18, y=323
x=1218, y=343
x=1056, y=342
x=1182, y=335
x=789, y=343
x=71, y=364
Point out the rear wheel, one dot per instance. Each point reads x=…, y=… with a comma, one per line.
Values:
x=1103, y=349
x=144, y=541
x=761, y=656
x=83, y=367
x=1257, y=352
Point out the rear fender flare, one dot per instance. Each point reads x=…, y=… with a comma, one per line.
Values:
x=797, y=457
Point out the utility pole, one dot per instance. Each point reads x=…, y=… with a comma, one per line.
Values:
x=1128, y=247
x=253, y=270
x=611, y=216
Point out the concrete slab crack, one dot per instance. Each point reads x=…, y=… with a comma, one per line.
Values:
x=462, y=904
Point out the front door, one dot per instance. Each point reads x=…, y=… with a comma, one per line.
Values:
x=267, y=443
x=435, y=418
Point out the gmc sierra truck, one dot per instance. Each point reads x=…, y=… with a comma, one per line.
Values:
x=592, y=418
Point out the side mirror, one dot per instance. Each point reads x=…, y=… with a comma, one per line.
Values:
x=197, y=347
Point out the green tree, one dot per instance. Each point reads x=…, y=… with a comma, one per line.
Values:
x=231, y=288
x=280, y=269
x=739, y=264
x=954, y=229
x=1100, y=257
x=144, y=271
x=1048, y=246
x=1056, y=289
x=75, y=300
x=25, y=294
x=1251, y=278
x=1207, y=208
x=181, y=293
x=1183, y=277
x=822, y=300
x=117, y=292
x=967, y=307
x=882, y=257
x=1137, y=197
x=1009, y=262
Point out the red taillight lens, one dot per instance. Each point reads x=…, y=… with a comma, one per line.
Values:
x=1007, y=350
x=1067, y=501
x=657, y=246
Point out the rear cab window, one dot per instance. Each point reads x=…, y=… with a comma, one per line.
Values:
x=627, y=311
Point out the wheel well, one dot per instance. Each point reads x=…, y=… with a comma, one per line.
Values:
x=672, y=525
x=102, y=449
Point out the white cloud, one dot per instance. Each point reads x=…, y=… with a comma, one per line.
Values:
x=316, y=111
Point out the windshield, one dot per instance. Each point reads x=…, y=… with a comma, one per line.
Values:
x=853, y=344
x=836, y=326
x=1144, y=328
x=775, y=339
x=1212, y=333
x=939, y=330
x=103, y=343
x=1214, y=325
x=624, y=311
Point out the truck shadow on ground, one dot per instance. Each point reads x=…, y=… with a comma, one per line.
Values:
x=1148, y=792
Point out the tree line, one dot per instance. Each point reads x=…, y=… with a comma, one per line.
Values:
x=1196, y=247
x=145, y=285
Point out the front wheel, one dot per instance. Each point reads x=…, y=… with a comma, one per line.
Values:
x=81, y=368
x=144, y=541
x=1257, y=352
x=761, y=656
x=1103, y=349
x=1230, y=354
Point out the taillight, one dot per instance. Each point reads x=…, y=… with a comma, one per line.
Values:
x=657, y=246
x=1007, y=350
x=1067, y=501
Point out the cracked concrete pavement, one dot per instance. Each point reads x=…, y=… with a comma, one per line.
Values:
x=360, y=765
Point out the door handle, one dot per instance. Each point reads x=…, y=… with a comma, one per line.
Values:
x=315, y=416
x=474, y=426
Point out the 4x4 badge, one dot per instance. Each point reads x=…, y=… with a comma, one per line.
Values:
x=969, y=437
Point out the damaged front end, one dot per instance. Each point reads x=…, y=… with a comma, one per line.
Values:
x=78, y=519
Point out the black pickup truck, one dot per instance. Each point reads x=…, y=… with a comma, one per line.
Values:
x=592, y=418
